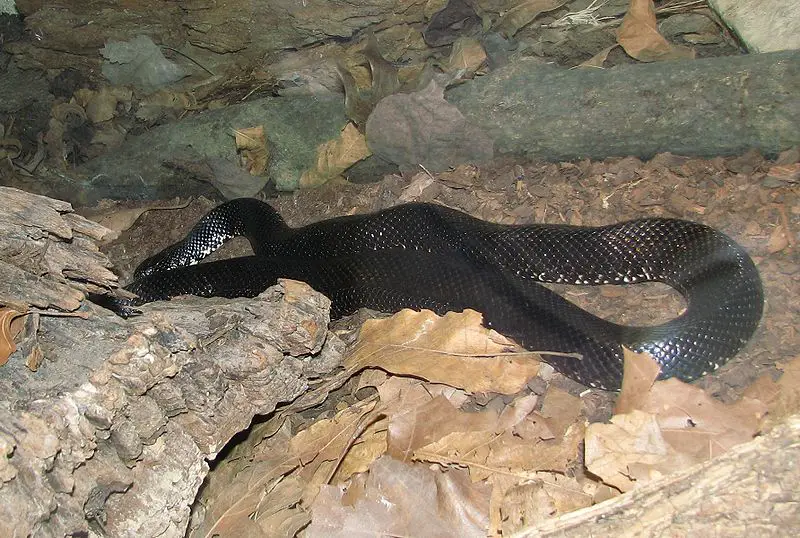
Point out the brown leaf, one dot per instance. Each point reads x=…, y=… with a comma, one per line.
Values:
x=520, y=451
x=336, y=156
x=523, y=14
x=782, y=398
x=430, y=422
x=639, y=35
x=599, y=58
x=10, y=326
x=382, y=82
x=467, y=54
x=639, y=373
x=778, y=239
x=455, y=350
x=401, y=499
x=240, y=489
x=561, y=408
x=789, y=173
x=696, y=424
x=326, y=439
x=528, y=503
x=251, y=144
x=632, y=440
x=120, y=219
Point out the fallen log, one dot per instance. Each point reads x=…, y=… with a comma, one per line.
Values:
x=708, y=107
x=109, y=430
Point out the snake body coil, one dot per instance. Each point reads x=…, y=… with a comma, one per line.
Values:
x=428, y=256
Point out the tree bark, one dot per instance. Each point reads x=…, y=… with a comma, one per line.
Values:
x=109, y=432
x=753, y=490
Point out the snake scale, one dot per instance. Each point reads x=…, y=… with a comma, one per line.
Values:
x=429, y=256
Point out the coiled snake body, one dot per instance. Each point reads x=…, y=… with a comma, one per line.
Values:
x=428, y=256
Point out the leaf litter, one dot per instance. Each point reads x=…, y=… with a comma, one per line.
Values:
x=525, y=439
x=415, y=399
x=418, y=454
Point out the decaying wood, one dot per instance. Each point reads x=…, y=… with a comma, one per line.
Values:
x=708, y=107
x=250, y=29
x=120, y=440
x=750, y=491
x=112, y=432
x=47, y=253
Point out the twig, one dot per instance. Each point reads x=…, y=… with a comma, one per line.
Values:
x=195, y=62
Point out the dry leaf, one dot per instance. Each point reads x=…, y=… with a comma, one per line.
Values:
x=782, y=397
x=326, y=439
x=523, y=13
x=336, y=156
x=251, y=144
x=413, y=191
x=547, y=496
x=400, y=499
x=10, y=326
x=640, y=371
x=487, y=448
x=455, y=350
x=430, y=422
x=787, y=172
x=598, y=59
x=632, y=440
x=120, y=220
x=698, y=425
x=663, y=426
x=639, y=35
x=239, y=489
x=467, y=54
x=778, y=239
x=561, y=408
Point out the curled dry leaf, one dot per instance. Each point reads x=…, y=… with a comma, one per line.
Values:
x=782, y=397
x=10, y=326
x=523, y=14
x=403, y=499
x=336, y=156
x=251, y=144
x=599, y=58
x=664, y=426
x=628, y=450
x=455, y=350
x=467, y=54
x=119, y=220
x=639, y=35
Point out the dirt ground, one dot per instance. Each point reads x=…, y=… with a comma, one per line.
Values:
x=746, y=197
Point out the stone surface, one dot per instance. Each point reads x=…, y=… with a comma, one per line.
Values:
x=763, y=25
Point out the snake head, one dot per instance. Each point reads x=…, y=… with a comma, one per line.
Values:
x=121, y=306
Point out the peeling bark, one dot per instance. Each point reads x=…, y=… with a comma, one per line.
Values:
x=750, y=491
x=112, y=433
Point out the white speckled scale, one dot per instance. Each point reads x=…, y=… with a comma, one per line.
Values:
x=429, y=256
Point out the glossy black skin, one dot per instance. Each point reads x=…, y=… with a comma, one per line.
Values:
x=429, y=256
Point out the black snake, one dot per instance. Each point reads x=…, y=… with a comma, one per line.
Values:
x=429, y=256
